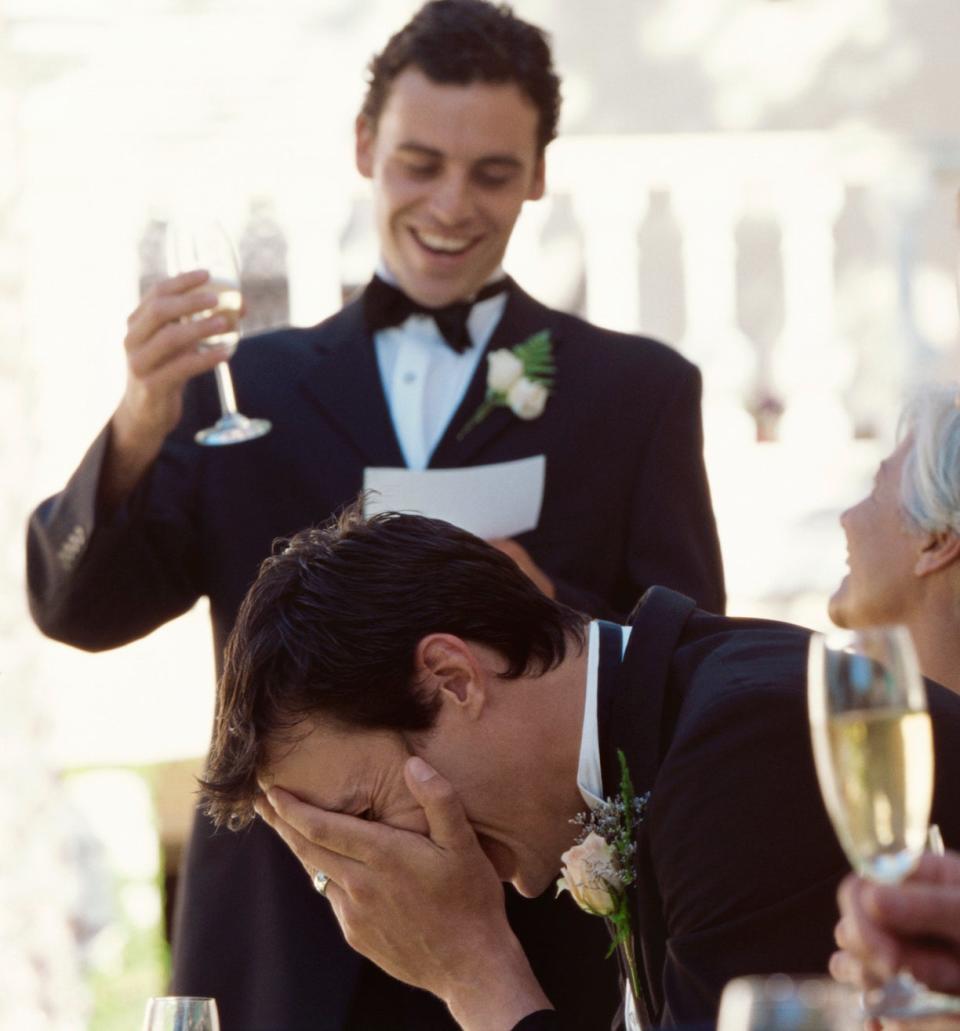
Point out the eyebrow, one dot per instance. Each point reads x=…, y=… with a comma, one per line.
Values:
x=489, y=159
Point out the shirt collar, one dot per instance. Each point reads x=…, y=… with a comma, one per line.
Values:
x=589, y=774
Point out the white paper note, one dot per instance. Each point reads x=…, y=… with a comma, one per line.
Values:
x=499, y=500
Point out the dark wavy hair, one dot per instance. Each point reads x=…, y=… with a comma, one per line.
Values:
x=465, y=41
x=330, y=627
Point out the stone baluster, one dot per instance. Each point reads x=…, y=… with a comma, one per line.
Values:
x=610, y=204
x=525, y=259
x=313, y=226
x=707, y=208
x=812, y=365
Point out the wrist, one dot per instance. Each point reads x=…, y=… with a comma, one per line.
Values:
x=131, y=449
x=497, y=990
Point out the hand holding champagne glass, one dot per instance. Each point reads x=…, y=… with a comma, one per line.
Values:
x=873, y=749
x=200, y=244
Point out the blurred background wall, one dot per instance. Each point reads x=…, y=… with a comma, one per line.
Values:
x=766, y=184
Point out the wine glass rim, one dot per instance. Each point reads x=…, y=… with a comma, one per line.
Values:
x=835, y=637
x=181, y=998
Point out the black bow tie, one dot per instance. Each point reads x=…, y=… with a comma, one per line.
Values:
x=385, y=305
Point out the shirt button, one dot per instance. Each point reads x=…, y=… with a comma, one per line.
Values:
x=409, y=377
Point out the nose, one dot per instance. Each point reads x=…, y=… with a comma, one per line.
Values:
x=450, y=199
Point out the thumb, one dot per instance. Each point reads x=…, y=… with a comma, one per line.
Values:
x=448, y=823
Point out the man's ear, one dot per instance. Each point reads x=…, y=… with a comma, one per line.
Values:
x=446, y=665
x=939, y=550
x=365, y=137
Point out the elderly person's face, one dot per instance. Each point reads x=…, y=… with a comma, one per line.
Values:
x=883, y=549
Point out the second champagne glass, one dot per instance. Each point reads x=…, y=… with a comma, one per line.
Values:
x=781, y=1003
x=873, y=750
x=202, y=244
x=181, y=1013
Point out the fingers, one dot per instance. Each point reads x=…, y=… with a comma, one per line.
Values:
x=449, y=827
x=174, y=341
x=346, y=836
x=915, y=908
x=846, y=969
x=936, y=968
x=858, y=933
x=166, y=300
x=312, y=856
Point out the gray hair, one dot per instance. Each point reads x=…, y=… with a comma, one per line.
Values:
x=930, y=483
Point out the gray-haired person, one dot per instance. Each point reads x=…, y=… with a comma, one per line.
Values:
x=903, y=539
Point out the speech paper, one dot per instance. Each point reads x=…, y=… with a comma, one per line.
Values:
x=499, y=500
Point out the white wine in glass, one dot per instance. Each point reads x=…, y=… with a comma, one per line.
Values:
x=873, y=750
x=194, y=243
x=181, y=1013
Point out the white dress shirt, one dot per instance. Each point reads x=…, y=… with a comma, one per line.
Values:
x=424, y=379
x=589, y=775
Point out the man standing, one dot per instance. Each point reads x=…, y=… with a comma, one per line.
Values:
x=485, y=715
x=461, y=105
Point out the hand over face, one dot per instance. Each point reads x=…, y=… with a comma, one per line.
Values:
x=913, y=926
x=428, y=910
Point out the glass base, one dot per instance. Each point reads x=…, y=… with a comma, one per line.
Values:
x=903, y=998
x=232, y=429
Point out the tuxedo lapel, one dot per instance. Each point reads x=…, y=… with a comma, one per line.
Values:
x=345, y=383
x=522, y=317
x=636, y=716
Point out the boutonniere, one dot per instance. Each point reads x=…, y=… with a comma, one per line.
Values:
x=598, y=870
x=519, y=378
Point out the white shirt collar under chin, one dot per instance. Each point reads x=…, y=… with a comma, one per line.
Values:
x=589, y=772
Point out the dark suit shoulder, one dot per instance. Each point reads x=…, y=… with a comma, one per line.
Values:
x=628, y=350
x=718, y=654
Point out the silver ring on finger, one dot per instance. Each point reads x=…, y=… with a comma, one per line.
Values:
x=320, y=882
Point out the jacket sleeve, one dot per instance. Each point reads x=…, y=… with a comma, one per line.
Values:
x=542, y=1020
x=98, y=579
x=673, y=538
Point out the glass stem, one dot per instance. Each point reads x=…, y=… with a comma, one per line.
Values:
x=228, y=400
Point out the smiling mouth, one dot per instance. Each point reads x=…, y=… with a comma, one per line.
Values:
x=443, y=246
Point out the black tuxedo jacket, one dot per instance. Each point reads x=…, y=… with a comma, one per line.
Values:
x=738, y=864
x=626, y=505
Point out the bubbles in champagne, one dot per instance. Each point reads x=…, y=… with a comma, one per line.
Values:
x=229, y=303
x=883, y=760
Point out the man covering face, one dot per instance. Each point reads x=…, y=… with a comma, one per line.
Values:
x=424, y=723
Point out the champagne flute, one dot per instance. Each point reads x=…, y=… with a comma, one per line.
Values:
x=781, y=1003
x=181, y=1013
x=200, y=243
x=873, y=750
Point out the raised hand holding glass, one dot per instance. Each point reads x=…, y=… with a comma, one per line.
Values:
x=202, y=244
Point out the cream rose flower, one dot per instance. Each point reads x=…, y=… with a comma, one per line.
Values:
x=590, y=875
x=527, y=399
x=504, y=368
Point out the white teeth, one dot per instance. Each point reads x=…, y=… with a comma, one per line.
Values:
x=447, y=244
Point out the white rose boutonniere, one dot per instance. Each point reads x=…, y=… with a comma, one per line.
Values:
x=527, y=398
x=598, y=870
x=519, y=378
x=590, y=875
x=504, y=369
